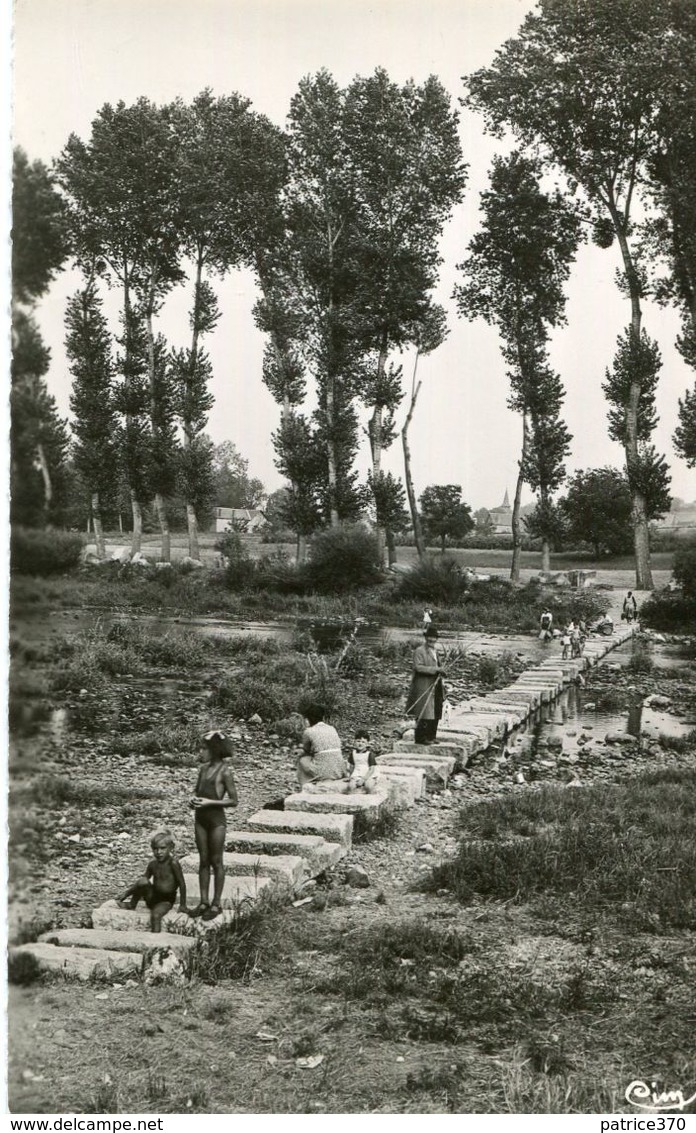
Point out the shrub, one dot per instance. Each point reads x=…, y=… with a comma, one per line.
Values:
x=685, y=570
x=44, y=552
x=640, y=661
x=432, y=579
x=343, y=558
x=671, y=613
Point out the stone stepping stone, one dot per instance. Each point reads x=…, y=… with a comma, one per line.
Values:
x=414, y=776
x=314, y=850
x=354, y=803
x=400, y=791
x=82, y=963
x=437, y=771
x=438, y=748
x=289, y=869
x=110, y=916
x=112, y=940
x=526, y=696
x=332, y=827
x=239, y=889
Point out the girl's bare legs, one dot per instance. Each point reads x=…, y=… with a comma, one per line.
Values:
x=216, y=845
x=203, y=863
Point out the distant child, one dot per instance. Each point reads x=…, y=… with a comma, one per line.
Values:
x=629, y=611
x=427, y=617
x=160, y=883
x=576, y=641
x=362, y=764
x=215, y=791
x=565, y=642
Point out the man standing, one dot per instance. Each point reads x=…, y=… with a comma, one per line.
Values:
x=426, y=693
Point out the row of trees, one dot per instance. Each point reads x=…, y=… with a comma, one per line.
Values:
x=339, y=217
x=602, y=93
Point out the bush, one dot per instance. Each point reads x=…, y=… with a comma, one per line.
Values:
x=432, y=579
x=670, y=613
x=343, y=558
x=685, y=570
x=44, y=552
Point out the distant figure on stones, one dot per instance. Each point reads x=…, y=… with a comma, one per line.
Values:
x=427, y=617
x=426, y=694
x=577, y=641
x=546, y=626
x=159, y=885
x=630, y=608
x=215, y=791
x=362, y=764
x=321, y=766
x=566, y=640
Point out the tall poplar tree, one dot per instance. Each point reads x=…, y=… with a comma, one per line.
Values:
x=95, y=448
x=514, y=278
x=574, y=86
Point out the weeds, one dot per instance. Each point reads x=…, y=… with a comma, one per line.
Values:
x=629, y=848
x=368, y=829
x=22, y=969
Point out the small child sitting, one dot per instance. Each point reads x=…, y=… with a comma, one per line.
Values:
x=362, y=765
x=160, y=883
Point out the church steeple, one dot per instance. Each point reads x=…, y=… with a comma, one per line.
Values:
x=506, y=501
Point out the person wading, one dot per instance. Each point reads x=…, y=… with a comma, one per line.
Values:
x=426, y=694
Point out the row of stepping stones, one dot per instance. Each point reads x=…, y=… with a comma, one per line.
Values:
x=281, y=850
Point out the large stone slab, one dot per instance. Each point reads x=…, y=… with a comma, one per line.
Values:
x=332, y=827
x=354, y=803
x=239, y=890
x=437, y=771
x=413, y=775
x=124, y=941
x=280, y=867
x=109, y=915
x=440, y=748
x=313, y=849
x=402, y=791
x=82, y=963
x=514, y=714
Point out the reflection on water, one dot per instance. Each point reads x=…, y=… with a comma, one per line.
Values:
x=569, y=714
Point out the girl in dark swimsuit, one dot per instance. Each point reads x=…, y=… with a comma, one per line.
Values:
x=215, y=781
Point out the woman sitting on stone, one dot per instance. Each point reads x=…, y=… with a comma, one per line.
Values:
x=321, y=767
x=426, y=694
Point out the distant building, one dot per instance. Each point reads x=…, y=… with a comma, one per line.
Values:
x=247, y=520
x=680, y=522
x=501, y=517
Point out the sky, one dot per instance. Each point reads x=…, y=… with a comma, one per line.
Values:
x=72, y=56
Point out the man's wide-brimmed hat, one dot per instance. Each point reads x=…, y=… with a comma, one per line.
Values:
x=431, y=632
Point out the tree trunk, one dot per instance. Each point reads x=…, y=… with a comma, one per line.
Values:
x=391, y=546
x=120, y=522
x=415, y=518
x=331, y=452
x=375, y=433
x=160, y=508
x=137, y=536
x=192, y=524
x=165, y=551
x=516, y=523
x=46, y=475
x=301, y=549
x=191, y=517
x=545, y=545
x=641, y=538
x=98, y=529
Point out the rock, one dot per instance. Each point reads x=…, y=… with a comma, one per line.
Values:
x=255, y=719
x=120, y=555
x=357, y=877
x=164, y=967
x=89, y=555
x=591, y=707
x=426, y=848
x=619, y=738
x=657, y=701
x=193, y=564
x=163, y=566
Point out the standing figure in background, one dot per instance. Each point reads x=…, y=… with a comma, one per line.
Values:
x=546, y=626
x=426, y=694
x=630, y=608
x=427, y=617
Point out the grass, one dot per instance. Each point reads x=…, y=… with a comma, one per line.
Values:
x=620, y=849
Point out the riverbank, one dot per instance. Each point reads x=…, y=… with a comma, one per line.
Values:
x=415, y=1000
